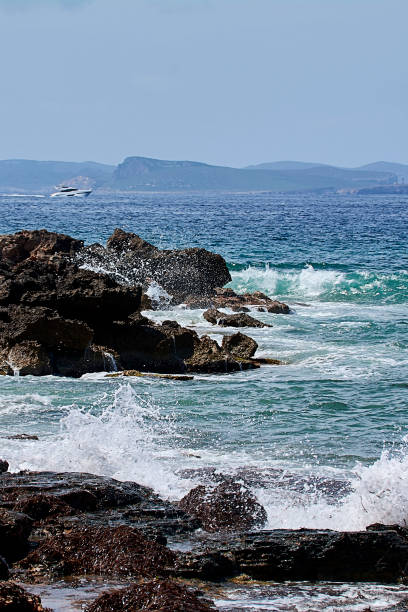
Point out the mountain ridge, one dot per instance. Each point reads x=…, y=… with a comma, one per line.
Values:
x=137, y=173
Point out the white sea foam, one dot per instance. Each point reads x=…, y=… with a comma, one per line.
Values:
x=306, y=597
x=158, y=295
x=126, y=441
x=379, y=494
x=311, y=283
x=130, y=439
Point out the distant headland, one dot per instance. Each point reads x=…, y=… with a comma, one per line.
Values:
x=147, y=174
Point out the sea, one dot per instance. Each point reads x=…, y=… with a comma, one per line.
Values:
x=322, y=440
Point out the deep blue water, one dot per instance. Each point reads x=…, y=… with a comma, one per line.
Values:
x=340, y=232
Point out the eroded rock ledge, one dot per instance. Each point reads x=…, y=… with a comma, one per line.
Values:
x=59, y=318
x=71, y=524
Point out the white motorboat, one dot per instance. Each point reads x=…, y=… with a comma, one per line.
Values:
x=65, y=190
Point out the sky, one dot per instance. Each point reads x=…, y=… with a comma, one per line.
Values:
x=228, y=82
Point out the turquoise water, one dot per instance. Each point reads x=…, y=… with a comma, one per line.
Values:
x=336, y=412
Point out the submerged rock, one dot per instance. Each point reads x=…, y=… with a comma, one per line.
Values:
x=22, y=436
x=154, y=595
x=268, y=361
x=229, y=506
x=215, y=317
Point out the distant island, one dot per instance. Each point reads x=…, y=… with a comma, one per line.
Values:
x=147, y=174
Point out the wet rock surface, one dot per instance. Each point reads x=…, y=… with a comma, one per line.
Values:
x=230, y=506
x=375, y=556
x=181, y=273
x=100, y=550
x=58, y=318
x=4, y=466
x=227, y=298
x=239, y=345
x=82, y=525
x=216, y=317
x=77, y=497
x=15, y=529
x=13, y=598
x=209, y=357
x=150, y=375
x=153, y=595
x=224, y=297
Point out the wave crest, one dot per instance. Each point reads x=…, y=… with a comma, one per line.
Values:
x=323, y=285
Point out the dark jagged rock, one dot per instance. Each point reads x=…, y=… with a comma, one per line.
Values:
x=181, y=273
x=374, y=556
x=118, y=551
x=229, y=506
x=4, y=569
x=78, y=499
x=72, y=487
x=15, y=529
x=239, y=345
x=215, y=317
x=13, y=598
x=40, y=507
x=96, y=299
x=4, y=466
x=136, y=373
x=154, y=595
x=123, y=242
x=209, y=357
x=224, y=297
x=29, y=357
x=22, y=436
x=36, y=244
x=227, y=298
x=57, y=318
x=142, y=345
x=47, y=327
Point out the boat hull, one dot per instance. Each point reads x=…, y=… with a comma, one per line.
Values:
x=81, y=193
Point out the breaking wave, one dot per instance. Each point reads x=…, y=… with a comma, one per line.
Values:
x=127, y=437
x=378, y=494
x=323, y=285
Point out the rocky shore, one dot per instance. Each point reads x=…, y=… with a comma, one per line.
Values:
x=67, y=310
x=56, y=526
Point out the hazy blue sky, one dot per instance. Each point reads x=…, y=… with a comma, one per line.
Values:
x=223, y=81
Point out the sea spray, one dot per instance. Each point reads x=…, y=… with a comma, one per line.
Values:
x=128, y=440
x=158, y=295
x=378, y=494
